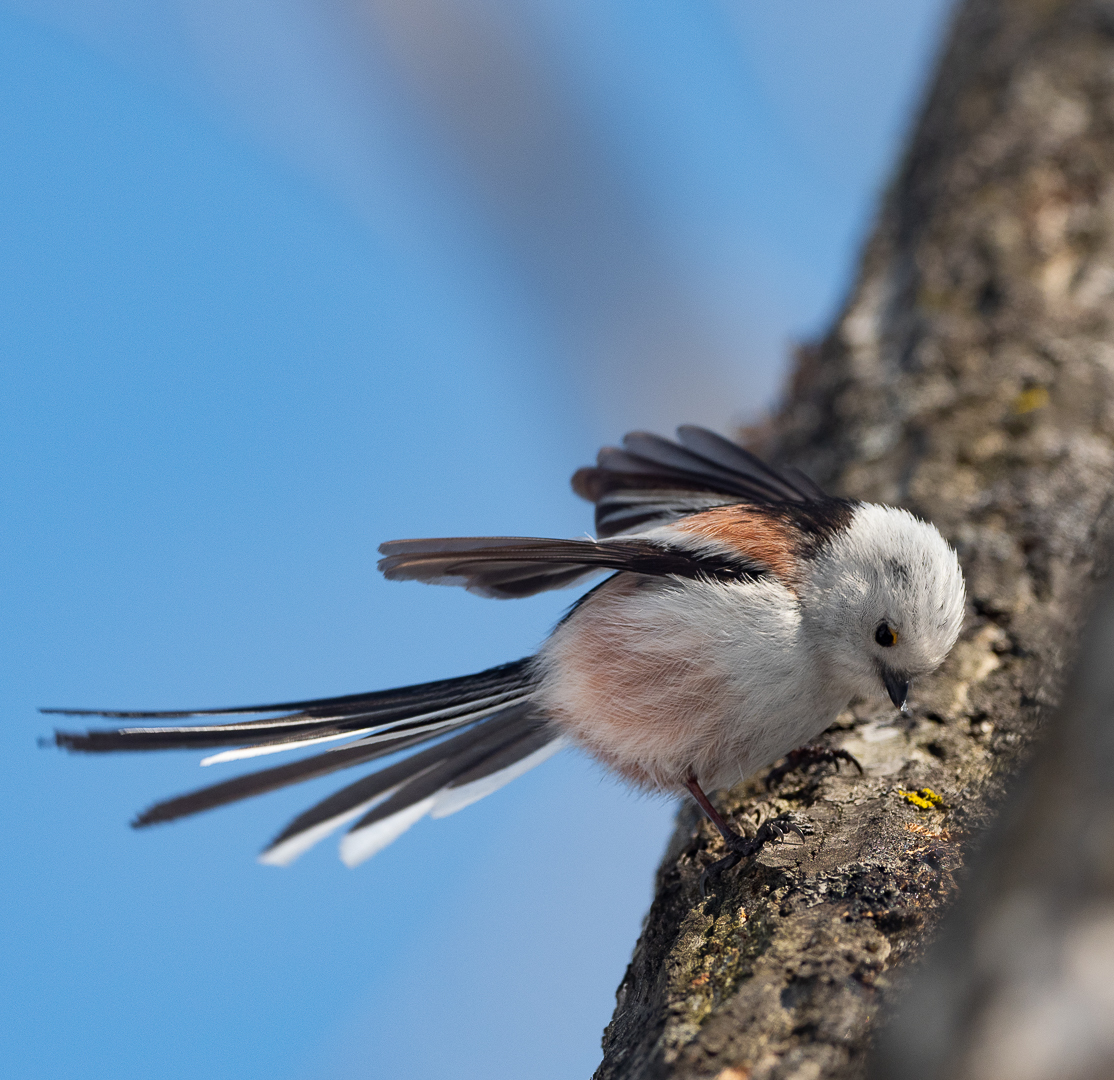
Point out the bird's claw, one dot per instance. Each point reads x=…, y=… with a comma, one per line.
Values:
x=781, y=829
x=740, y=848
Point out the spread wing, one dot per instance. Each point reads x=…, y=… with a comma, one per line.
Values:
x=505, y=567
x=649, y=482
x=652, y=481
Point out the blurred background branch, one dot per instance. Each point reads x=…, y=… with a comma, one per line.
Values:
x=667, y=201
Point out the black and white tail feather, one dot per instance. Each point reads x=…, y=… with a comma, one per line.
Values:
x=493, y=736
x=481, y=731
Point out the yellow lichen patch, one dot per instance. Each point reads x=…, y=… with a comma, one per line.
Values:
x=1036, y=397
x=923, y=799
x=733, y=1072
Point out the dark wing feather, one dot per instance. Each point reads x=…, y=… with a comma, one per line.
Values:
x=744, y=467
x=651, y=481
x=513, y=566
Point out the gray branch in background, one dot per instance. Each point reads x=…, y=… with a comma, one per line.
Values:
x=554, y=193
x=970, y=377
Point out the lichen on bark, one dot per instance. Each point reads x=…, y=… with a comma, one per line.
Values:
x=969, y=377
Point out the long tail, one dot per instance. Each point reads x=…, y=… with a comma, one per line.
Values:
x=496, y=735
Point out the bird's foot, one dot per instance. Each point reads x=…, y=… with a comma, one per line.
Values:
x=809, y=755
x=740, y=847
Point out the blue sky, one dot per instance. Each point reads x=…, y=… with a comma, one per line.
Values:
x=244, y=343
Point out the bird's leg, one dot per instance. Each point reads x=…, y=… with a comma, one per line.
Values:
x=809, y=755
x=738, y=846
x=714, y=816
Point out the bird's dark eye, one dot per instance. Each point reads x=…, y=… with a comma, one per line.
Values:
x=885, y=635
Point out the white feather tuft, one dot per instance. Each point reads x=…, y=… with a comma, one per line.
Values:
x=450, y=800
x=276, y=748
x=360, y=845
x=430, y=722
x=285, y=853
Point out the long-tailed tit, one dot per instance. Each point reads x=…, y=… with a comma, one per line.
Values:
x=744, y=609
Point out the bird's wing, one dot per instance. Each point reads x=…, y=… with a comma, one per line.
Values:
x=513, y=566
x=652, y=481
x=496, y=735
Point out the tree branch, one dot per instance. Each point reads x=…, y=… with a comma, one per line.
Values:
x=971, y=378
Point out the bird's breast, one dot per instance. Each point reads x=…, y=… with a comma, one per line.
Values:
x=658, y=676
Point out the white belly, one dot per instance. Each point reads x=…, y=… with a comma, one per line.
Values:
x=657, y=677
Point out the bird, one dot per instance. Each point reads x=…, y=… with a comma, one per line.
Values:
x=743, y=609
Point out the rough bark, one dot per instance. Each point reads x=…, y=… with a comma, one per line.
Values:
x=1018, y=986
x=970, y=378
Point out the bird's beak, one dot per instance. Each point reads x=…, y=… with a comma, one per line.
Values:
x=897, y=686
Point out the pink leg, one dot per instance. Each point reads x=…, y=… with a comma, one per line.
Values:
x=714, y=816
x=738, y=847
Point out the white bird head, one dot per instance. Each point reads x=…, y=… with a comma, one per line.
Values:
x=884, y=601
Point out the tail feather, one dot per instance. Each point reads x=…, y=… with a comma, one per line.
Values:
x=394, y=792
x=425, y=694
x=487, y=778
x=429, y=723
x=493, y=730
x=266, y=780
x=358, y=847
x=387, y=820
x=355, y=714
x=484, y=729
x=369, y=787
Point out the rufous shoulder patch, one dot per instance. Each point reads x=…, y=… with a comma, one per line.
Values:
x=755, y=532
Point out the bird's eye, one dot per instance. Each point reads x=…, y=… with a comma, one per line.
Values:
x=885, y=635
